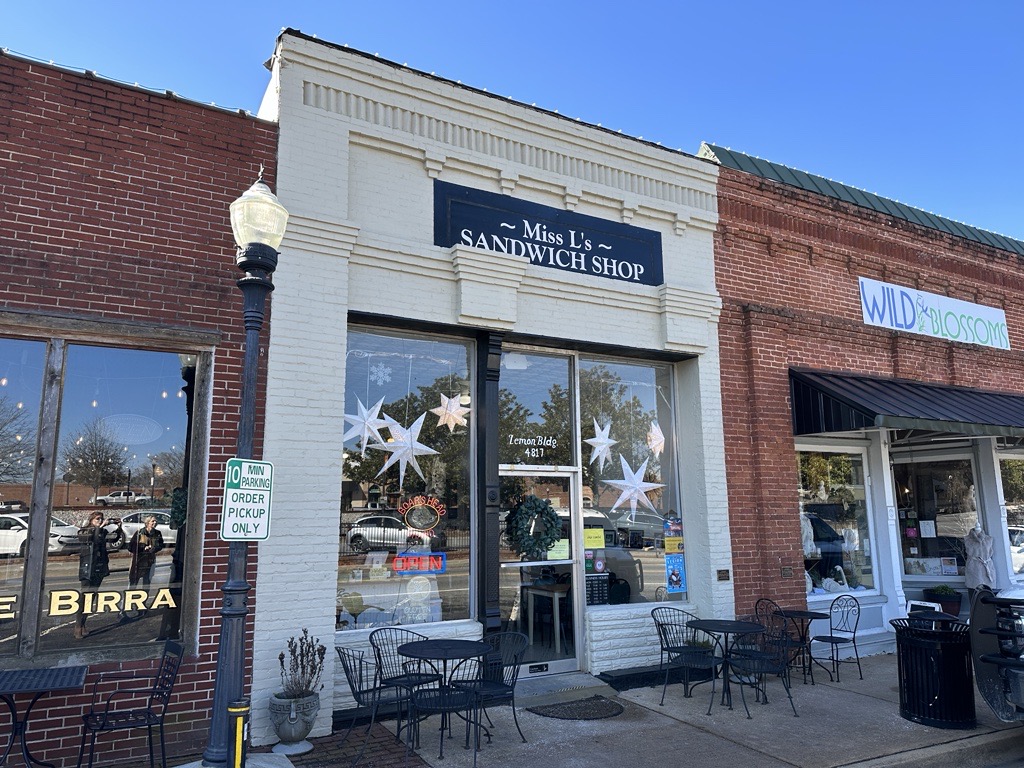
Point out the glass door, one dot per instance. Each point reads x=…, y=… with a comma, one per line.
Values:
x=538, y=565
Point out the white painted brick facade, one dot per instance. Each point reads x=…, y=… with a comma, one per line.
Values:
x=361, y=142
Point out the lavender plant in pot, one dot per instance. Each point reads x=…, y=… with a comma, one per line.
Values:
x=293, y=710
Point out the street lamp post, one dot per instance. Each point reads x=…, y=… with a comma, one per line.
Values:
x=258, y=222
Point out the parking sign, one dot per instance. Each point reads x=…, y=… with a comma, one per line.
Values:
x=248, y=490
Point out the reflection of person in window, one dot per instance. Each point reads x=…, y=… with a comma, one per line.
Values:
x=93, y=564
x=674, y=579
x=144, y=545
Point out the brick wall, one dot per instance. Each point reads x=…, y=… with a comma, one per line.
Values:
x=787, y=264
x=114, y=205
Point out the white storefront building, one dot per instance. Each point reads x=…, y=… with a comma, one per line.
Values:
x=481, y=307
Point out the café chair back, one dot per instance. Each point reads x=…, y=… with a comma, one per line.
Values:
x=844, y=616
x=126, y=700
x=444, y=700
x=762, y=656
x=367, y=692
x=683, y=647
x=396, y=671
x=493, y=678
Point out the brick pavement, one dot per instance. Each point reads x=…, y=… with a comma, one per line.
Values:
x=383, y=750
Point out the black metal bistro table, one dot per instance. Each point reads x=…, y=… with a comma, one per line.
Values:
x=445, y=699
x=39, y=682
x=801, y=620
x=721, y=630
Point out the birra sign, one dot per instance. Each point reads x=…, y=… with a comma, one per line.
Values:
x=248, y=488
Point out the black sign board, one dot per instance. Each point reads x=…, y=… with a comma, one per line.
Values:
x=548, y=237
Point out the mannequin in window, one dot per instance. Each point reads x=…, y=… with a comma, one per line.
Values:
x=979, y=570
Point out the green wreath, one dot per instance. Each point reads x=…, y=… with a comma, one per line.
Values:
x=533, y=528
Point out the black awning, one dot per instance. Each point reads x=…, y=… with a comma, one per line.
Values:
x=840, y=402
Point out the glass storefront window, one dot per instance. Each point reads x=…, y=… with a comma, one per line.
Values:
x=937, y=507
x=834, y=527
x=21, y=383
x=1012, y=473
x=119, y=454
x=628, y=488
x=535, y=410
x=405, y=507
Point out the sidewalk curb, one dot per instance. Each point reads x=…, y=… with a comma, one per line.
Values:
x=947, y=753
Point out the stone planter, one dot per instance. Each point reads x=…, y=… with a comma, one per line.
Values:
x=293, y=720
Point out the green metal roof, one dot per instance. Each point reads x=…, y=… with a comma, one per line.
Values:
x=822, y=186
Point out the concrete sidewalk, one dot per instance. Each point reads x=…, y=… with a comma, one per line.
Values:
x=853, y=724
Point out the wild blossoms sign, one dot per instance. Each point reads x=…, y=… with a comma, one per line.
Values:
x=929, y=314
x=548, y=237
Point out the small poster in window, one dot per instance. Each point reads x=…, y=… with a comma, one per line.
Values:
x=675, y=572
x=674, y=544
x=911, y=533
x=927, y=529
x=949, y=566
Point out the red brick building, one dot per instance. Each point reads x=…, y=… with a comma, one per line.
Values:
x=120, y=329
x=838, y=316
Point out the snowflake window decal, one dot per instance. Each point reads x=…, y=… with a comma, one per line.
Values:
x=380, y=374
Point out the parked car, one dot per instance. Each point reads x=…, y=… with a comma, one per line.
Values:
x=385, y=532
x=135, y=521
x=14, y=535
x=123, y=498
x=13, y=505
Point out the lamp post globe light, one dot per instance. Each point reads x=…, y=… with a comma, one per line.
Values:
x=258, y=222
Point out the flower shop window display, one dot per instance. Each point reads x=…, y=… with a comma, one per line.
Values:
x=405, y=523
x=834, y=522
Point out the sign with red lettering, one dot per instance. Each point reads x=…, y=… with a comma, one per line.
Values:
x=422, y=512
x=416, y=565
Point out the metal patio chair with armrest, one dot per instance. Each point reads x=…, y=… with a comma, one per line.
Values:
x=494, y=682
x=367, y=691
x=126, y=700
x=684, y=647
x=395, y=670
x=759, y=657
x=844, y=616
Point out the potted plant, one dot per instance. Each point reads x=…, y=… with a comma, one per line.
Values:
x=946, y=596
x=294, y=709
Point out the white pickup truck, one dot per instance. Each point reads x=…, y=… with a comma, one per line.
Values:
x=122, y=498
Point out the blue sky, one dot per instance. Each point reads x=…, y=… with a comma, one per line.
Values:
x=915, y=101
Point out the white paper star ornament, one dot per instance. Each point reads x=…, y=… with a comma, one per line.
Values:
x=366, y=424
x=404, y=447
x=450, y=414
x=602, y=445
x=633, y=488
x=655, y=439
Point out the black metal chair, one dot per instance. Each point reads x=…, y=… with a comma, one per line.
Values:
x=844, y=617
x=684, y=647
x=367, y=692
x=445, y=700
x=120, y=702
x=766, y=613
x=761, y=656
x=494, y=679
x=396, y=671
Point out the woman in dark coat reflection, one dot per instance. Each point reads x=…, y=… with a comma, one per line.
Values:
x=93, y=564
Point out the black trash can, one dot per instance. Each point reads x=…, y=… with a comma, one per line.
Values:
x=936, y=675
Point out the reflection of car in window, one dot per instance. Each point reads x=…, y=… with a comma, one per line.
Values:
x=386, y=532
x=829, y=542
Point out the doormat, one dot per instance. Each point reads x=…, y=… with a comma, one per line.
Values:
x=594, y=708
